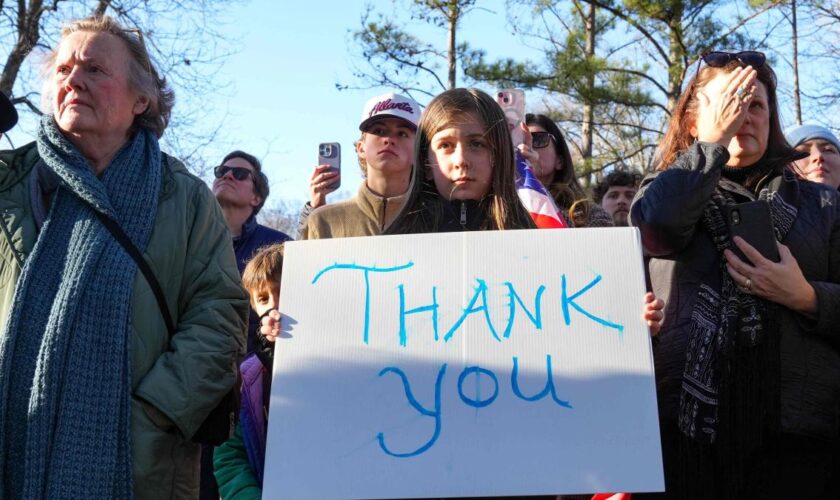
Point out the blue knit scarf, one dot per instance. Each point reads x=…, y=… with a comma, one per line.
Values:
x=65, y=381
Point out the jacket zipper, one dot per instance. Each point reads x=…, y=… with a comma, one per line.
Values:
x=463, y=215
x=382, y=214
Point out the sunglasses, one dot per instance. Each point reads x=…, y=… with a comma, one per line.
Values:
x=239, y=173
x=540, y=140
x=718, y=59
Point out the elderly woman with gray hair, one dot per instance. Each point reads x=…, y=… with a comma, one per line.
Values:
x=96, y=399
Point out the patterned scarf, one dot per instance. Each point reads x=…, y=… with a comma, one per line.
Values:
x=65, y=381
x=731, y=367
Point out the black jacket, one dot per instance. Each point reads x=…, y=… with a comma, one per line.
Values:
x=668, y=209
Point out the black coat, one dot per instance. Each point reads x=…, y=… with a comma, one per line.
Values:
x=668, y=209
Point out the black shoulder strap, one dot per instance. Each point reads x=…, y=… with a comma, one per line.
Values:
x=132, y=250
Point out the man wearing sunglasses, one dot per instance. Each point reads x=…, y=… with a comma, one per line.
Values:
x=241, y=190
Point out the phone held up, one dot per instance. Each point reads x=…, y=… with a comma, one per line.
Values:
x=751, y=221
x=512, y=102
x=329, y=153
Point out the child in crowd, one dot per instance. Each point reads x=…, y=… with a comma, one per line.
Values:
x=239, y=462
x=464, y=180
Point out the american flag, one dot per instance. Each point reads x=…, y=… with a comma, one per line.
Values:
x=535, y=198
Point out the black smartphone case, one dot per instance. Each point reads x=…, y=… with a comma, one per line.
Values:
x=751, y=221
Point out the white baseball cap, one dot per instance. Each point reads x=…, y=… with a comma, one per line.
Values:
x=390, y=105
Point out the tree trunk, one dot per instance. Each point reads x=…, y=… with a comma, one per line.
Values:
x=453, y=25
x=676, y=54
x=797, y=106
x=28, y=34
x=586, y=132
x=101, y=8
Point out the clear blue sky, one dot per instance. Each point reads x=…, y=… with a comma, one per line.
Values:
x=284, y=100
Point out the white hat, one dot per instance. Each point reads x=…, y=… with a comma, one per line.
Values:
x=390, y=105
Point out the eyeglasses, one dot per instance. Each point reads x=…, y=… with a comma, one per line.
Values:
x=540, y=140
x=718, y=59
x=239, y=173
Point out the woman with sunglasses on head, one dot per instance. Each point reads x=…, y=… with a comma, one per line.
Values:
x=747, y=362
x=552, y=163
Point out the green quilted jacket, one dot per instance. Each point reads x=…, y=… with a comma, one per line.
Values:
x=176, y=383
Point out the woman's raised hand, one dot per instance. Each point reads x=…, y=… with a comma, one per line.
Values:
x=721, y=113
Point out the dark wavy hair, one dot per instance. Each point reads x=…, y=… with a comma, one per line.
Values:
x=621, y=178
x=678, y=138
x=503, y=208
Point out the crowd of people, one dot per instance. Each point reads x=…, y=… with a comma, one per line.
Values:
x=125, y=371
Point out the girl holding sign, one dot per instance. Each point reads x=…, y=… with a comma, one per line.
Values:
x=464, y=180
x=465, y=175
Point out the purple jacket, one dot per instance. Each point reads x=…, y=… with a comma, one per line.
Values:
x=256, y=380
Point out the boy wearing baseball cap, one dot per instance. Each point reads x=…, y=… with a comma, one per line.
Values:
x=388, y=124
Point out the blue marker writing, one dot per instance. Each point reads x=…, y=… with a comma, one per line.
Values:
x=513, y=299
x=433, y=307
x=417, y=406
x=367, y=270
x=549, y=385
x=480, y=292
x=570, y=301
x=477, y=403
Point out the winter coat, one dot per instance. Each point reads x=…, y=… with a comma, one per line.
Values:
x=668, y=209
x=239, y=462
x=175, y=384
x=253, y=237
x=366, y=214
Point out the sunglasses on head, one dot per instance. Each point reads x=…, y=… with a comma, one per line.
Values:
x=718, y=59
x=540, y=140
x=238, y=173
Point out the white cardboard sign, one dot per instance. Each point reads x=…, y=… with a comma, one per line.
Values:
x=463, y=364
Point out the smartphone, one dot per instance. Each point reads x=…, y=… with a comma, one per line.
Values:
x=751, y=221
x=329, y=153
x=512, y=102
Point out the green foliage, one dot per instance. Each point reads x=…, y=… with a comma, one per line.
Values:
x=398, y=59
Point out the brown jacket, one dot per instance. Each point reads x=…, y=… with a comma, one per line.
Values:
x=366, y=214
